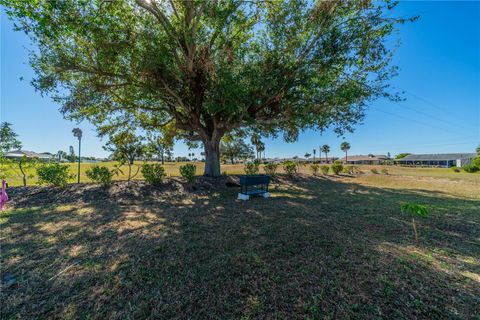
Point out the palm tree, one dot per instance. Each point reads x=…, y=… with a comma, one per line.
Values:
x=325, y=149
x=261, y=148
x=61, y=155
x=255, y=140
x=345, y=146
x=307, y=155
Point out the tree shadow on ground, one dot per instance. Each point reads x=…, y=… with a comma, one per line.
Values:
x=318, y=248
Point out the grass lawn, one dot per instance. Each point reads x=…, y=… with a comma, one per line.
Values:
x=319, y=248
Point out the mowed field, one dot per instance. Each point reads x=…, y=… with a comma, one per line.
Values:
x=326, y=247
x=172, y=170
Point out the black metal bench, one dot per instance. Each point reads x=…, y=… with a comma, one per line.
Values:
x=254, y=185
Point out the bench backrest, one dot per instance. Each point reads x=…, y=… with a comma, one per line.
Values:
x=254, y=180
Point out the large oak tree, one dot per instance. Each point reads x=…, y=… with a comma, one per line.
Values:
x=210, y=67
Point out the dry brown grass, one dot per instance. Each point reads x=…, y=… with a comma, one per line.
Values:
x=172, y=170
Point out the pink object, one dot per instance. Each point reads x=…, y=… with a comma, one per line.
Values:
x=3, y=196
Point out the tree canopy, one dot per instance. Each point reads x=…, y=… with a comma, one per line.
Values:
x=209, y=67
x=345, y=146
x=8, y=138
x=402, y=155
x=232, y=148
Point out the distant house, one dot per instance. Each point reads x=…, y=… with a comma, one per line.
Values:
x=323, y=160
x=365, y=159
x=16, y=154
x=443, y=160
x=301, y=160
x=46, y=156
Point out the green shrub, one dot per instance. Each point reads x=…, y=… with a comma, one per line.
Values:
x=153, y=173
x=251, y=168
x=476, y=161
x=456, y=169
x=290, y=167
x=271, y=169
x=100, y=175
x=384, y=171
x=314, y=168
x=188, y=172
x=374, y=171
x=337, y=167
x=54, y=174
x=470, y=168
x=325, y=169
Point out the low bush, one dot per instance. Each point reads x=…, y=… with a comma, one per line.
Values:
x=54, y=174
x=325, y=169
x=271, y=169
x=456, y=169
x=337, y=167
x=153, y=173
x=290, y=167
x=470, y=168
x=384, y=171
x=374, y=171
x=188, y=171
x=349, y=169
x=251, y=168
x=100, y=175
x=314, y=168
x=476, y=161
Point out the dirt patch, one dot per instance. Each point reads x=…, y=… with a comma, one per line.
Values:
x=121, y=192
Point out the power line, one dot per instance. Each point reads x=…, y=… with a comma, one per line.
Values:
x=419, y=122
x=437, y=107
x=437, y=143
x=434, y=117
x=430, y=145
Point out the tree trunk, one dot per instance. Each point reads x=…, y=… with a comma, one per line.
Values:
x=212, y=157
x=415, y=230
x=23, y=173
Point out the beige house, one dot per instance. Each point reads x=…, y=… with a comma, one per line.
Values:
x=16, y=154
x=365, y=159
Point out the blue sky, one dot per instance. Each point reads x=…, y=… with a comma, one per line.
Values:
x=439, y=61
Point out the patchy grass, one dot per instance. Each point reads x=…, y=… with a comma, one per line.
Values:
x=319, y=248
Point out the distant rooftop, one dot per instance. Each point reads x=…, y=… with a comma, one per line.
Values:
x=28, y=154
x=368, y=157
x=438, y=157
